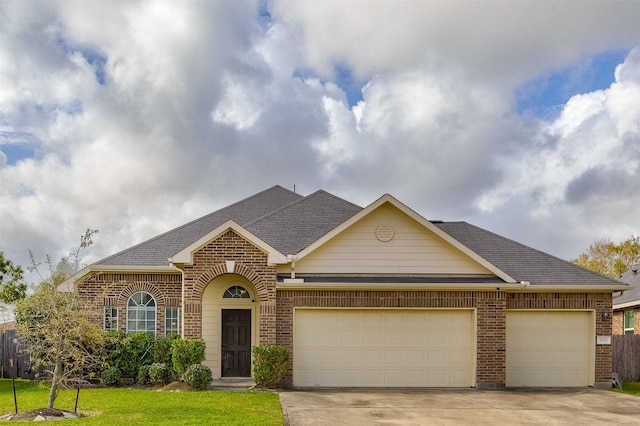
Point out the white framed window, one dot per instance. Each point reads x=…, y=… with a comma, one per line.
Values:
x=171, y=320
x=141, y=313
x=236, y=292
x=110, y=322
x=628, y=322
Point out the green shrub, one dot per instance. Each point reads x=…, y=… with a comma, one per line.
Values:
x=128, y=352
x=111, y=376
x=162, y=349
x=143, y=375
x=269, y=364
x=159, y=373
x=198, y=376
x=185, y=353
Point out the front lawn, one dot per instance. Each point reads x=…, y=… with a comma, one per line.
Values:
x=113, y=406
x=631, y=388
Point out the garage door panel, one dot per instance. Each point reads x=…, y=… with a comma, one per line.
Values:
x=411, y=348
x=551, y=348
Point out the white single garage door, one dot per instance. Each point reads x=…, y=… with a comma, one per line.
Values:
x=550, y=348
x=383, y=348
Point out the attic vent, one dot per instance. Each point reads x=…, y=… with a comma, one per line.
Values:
x=384, y=233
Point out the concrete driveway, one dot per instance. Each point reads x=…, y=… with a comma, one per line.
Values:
x=460, y=407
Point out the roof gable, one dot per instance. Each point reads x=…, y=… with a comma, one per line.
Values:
x=185, y=256
x=443, y=237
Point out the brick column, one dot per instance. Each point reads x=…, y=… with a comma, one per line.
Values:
x=491, y=340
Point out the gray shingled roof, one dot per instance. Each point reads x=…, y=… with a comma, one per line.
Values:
x=290, y=222
x=521, y=262
x=631, y=277
x=154, y=252
x=292, y=228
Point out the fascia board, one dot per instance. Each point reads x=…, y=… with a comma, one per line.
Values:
x=69, y=283
x=387, y=198
x=630, y=304
x=569, y=288
x=185, y=256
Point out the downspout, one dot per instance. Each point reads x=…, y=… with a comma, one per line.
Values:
x=181, y=296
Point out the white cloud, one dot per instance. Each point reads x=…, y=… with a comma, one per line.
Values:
x=196, y=105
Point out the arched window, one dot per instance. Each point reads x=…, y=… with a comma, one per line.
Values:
x=236, y=292
x=141, y=313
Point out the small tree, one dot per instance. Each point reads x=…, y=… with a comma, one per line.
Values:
x=55, y=329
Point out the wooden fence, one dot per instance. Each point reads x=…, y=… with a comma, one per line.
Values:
x=626, y=357
x=11, y=349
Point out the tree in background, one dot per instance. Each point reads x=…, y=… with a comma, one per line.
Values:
x=12, y=285
x=610, y=259
x=56, y=331
x=67, y=266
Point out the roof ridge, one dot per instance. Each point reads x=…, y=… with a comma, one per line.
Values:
x=293, y=203
x=193, y=221
x=545, y=254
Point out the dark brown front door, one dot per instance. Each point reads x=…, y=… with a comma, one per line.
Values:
x=236, y=343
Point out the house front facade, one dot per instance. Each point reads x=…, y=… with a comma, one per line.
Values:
x=362, y=297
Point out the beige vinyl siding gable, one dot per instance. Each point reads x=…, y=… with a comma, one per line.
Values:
x=412, y=250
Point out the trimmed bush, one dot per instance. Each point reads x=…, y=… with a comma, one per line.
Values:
x=185, y=353
x=198, y=376
x=269, y=364
x=159, y=373
x=143, y=375
x=111, y=376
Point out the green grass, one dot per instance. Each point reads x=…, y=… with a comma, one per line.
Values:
x=114, y=406
x=630, y=388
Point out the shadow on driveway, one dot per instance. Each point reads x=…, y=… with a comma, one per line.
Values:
x=460, y=407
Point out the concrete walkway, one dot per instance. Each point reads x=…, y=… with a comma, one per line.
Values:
x=460, y=407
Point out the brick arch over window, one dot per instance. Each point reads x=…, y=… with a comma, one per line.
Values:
x=221, y=269
x=136, y=287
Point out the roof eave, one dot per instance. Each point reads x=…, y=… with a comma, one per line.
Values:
x=569, y=288
x=69, y=283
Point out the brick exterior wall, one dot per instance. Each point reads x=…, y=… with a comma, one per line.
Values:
x=491, y=309
x=618, y=321
x=276, y=306
x=210, y=262
x=490, y=325
x=113, y=289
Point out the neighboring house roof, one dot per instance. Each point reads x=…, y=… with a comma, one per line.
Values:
x=630, y=297
x=289, y=223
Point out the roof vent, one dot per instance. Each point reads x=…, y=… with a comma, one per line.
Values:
x=384, y=233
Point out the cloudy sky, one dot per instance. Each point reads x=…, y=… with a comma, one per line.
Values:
x=134, y=117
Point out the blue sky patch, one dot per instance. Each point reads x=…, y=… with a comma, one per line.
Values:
x=16, y=151
x=342, y=77
x=545, y=96
x=93, y=57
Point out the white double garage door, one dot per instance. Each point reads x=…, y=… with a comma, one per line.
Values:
x=437, y=348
